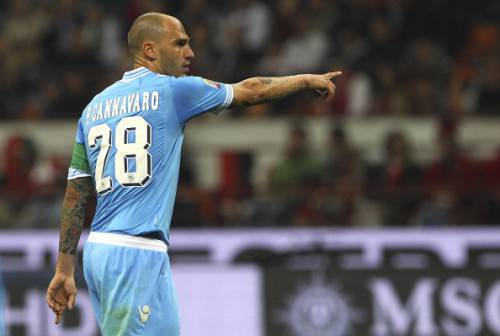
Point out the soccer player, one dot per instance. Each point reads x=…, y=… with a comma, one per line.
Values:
x=127, y=151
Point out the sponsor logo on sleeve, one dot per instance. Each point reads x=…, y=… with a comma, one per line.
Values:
x=213, y=84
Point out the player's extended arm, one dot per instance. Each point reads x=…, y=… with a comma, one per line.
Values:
x=61, y=293
x=257, y=90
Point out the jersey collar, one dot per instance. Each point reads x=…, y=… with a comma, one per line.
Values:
x=139, y=72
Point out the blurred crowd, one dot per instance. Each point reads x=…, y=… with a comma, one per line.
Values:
x=400, y=57
x=338, y=187
x=438, y=58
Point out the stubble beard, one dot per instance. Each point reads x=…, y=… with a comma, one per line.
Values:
x=169, y=68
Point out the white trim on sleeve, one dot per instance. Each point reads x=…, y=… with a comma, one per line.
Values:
x=74, y=173
x=227, y=101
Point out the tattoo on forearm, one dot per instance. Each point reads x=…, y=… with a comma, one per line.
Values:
x=73, y=213
x=265, y=80
x=268, y=89
x=275, y=93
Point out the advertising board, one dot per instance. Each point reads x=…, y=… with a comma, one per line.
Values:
x=294, y=282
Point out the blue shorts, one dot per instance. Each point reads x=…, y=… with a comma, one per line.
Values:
x=130, y=285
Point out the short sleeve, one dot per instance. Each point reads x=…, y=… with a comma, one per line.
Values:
x=79, y=166
x=195, y=95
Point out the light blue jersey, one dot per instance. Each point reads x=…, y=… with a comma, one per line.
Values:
x=129, y=139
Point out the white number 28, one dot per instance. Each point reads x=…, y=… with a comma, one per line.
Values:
x=126, y=151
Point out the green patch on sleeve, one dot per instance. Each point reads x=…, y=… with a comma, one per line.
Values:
x=79, y=159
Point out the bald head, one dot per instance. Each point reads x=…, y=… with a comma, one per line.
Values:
x=159, y=42
x=149, y=27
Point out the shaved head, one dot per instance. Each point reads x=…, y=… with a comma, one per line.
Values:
x=148, y=27
x=159, y=42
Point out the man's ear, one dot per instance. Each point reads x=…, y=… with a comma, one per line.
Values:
x=150, y=50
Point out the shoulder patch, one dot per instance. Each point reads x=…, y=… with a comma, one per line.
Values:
x=210, y=83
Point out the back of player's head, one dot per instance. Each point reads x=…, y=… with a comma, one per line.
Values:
x=147, y=27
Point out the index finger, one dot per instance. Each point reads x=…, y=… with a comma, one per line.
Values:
x=333, y=74
x=58, y=317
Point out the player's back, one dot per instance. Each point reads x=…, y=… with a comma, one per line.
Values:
x=132, y=134
x=133, y=144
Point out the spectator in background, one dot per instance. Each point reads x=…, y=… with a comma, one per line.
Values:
x=426, y=67
x=31, y=191
x=352, y=47
x=291, y=175
x=351, y=207
x=251, y=21
x=423, y=97
x=292, y=179
x=317, y=208
x=243, y=34
x=390, y=91
x=200, y=11
x=489, y=190
x=134, y=8
x=187, y=204
x=451, y=183
x=266, y=37
x=66, y=103
x=359, y=94
x=20, y=159
x=401, y=58
x=383, y=36
x=236, y=189
x=399, y=182
x=336, y=196
x=102, y=32
x=488, y=100
x=25, y=39
x=341, y=157
x=194, y=207
x=18, y=185
x=475, y=80
x=307, y=37
x=285, y=12
x=325, y=13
